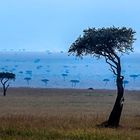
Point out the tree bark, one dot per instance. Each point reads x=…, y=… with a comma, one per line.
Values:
x=115, y=115
x=4, y=90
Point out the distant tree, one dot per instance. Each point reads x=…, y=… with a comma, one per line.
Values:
x=4, y=78
x=125, y=82
x=29, y=72
x=74, y=82
x=134, y=76
x=45, y=81
x=27, y=79
x=64, y=76
x=106, y=81
x=109, y=43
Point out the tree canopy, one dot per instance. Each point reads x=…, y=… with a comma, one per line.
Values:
x=7, y=75
x=104, y=42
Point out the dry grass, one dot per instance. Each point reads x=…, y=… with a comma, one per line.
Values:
x=65, y=127
x=52, y=114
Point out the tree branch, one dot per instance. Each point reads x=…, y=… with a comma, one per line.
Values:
x=111, y=57
x=7, y=87
x=6, y=81
x=115, y=73
x=1, y=80
x=113, y=68
x=117, y=57
x=110, y=63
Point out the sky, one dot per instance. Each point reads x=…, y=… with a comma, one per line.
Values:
x=40, y=25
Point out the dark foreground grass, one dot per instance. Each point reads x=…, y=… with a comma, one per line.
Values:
x=65, y=128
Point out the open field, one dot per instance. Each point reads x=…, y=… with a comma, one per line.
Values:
x=66, y=114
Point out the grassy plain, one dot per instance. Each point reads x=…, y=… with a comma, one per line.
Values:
x=66, y=114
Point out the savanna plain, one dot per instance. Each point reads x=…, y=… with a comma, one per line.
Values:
x=66, y=114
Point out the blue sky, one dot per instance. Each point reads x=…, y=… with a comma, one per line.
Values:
x=39, y=25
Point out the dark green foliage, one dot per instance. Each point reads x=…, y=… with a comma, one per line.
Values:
x=7, y=75
x=103, y=41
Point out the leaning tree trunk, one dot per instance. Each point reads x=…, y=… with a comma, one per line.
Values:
x=115, y=115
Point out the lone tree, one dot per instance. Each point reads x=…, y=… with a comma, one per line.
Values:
x=109, y=43
x=4, y=78
x=27, y=79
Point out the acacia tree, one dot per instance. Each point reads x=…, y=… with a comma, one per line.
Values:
x=109, y=43
x=27, y=79
x=4, y=78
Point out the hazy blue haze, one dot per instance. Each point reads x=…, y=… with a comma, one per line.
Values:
x=60, y=69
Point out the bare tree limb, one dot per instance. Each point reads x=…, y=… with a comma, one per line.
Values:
x=7, y=87
x=1, y=80
x=6, y=80
x=113, y=68
x=110, y=63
